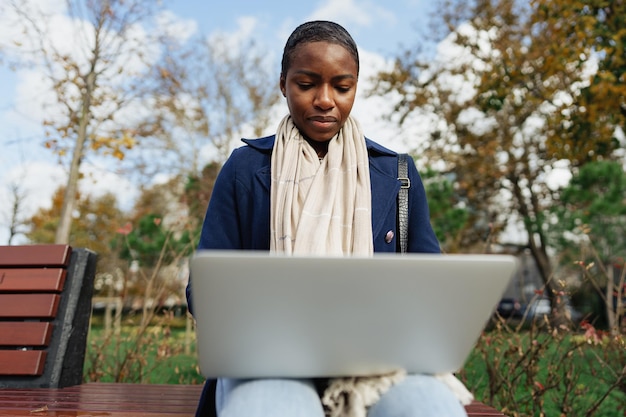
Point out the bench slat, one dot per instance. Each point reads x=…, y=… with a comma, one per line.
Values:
x=22, y=362
x=32, y=280
x=119, y=399
x=478, y=409
x=25, y=334
x=111, y=399
x=35, y=255
x=28, y=305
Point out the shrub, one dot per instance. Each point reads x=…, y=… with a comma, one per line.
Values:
x=547, y=371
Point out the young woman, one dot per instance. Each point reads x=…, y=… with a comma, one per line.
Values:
x=317, y=186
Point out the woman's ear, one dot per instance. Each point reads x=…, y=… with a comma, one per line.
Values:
x=282, y=85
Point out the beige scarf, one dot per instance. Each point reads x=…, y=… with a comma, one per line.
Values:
x=323, y=207
x=320, y=207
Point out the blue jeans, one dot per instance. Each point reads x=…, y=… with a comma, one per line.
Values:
x=416, y=395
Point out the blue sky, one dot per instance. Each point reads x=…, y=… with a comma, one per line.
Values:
x=376, y=25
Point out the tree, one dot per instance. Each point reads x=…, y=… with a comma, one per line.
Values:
x=447, y=211
x=504, y=101
x=210, y=92
x=96, y=74
x=126, y=76
x=591, y=230
x=198, y=192
x=584, y=125
x=16, y=221
x=169, y=203
x=150, y=243
x=603, y=103
x=96, y=221
x=156, y=244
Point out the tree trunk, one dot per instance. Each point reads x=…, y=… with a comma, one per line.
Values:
x=71, y=189
x=537, y=246
x=610, y=307
x=70, y=196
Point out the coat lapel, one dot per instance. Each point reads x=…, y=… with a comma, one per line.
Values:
x=264, y=146
x=384, y=191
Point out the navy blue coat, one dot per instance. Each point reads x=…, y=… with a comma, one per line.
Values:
x=238, y=216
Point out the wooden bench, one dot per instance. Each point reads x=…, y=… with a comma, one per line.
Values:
x=125, y=400
x=103, y=399
x=45, y=305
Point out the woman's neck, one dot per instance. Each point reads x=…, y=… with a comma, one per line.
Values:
x=321, y=148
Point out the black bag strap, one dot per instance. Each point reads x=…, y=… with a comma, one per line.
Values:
x=403, y=202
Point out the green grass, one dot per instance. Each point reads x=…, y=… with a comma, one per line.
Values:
x=543, y=374
x=531, y=373
x=156, y=356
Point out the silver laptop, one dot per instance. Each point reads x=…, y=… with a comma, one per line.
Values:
x=262, y=315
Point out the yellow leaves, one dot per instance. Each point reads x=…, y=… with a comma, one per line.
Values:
x=55, y=147
x=128, y=141
x=62, y=140
x=118, y=154
x=114, y=146
x=164, y=73
x=97, y=143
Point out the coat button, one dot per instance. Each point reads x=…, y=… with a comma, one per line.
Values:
x=389, y=236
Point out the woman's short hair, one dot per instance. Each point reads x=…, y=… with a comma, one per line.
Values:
x=318, y=31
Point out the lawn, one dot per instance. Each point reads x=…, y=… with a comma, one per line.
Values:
x=538, y=373
x=520, y=373
x=158, y=355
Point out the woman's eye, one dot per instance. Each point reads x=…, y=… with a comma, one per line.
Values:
x=305, y=86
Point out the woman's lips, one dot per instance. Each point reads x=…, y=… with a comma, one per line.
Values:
x=323, y=122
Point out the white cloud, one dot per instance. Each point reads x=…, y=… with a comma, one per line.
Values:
x=12, y=35
x=230, y=42
x=175, y=27
x=98, y=180
x=36, y=181
x=365, y=13
x=35, y=100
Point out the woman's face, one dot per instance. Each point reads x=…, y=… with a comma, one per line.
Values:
x=320, y=87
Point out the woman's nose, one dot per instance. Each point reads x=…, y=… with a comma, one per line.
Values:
x=323, y=98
